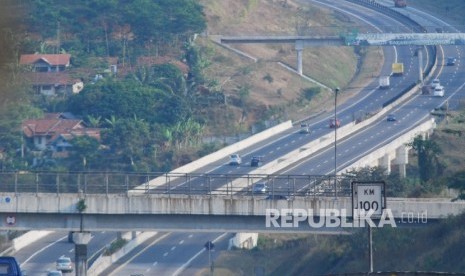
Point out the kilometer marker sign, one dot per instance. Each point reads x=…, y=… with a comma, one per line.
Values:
x=368, y=197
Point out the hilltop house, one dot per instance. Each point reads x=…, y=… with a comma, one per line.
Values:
x=46, y=62
x=55, y=132
x=48, y=74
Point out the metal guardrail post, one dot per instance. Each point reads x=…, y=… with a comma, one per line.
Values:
x=293, y=187
x=37, y=183
x=16, y=182
x=106, y=183
x=57, y=180
x=209, y=186
x=85, y=183
x=127, y=182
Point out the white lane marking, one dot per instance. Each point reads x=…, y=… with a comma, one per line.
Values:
x=165, y=254
x=138, y=253
x=190, y=236
x=184, y=265
x=173, y=248
x=181, y=241
x=155, y=263
x=33, y=255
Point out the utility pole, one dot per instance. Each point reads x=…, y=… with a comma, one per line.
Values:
x=336, y=90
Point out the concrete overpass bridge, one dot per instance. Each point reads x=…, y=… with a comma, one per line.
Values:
x=57, y=202
x=350, y=39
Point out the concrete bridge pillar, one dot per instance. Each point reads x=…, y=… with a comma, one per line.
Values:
x=299, y=47
x=385, y=162
x=81, y=239
x=402, y=160
x=244, y=240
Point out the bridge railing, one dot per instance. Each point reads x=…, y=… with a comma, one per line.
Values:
x=188, y=184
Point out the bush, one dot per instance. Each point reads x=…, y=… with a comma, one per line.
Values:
x=115, y=246
x=310, y=93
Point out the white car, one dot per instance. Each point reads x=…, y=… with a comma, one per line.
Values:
x=438, y=91
x=64, y=264
x=235, y=159
x=435, y=83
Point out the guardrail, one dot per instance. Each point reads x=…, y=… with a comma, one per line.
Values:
x=112, y=183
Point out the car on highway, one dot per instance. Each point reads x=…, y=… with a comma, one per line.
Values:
x=9, y=266
x=334, y=123
x=235, y=159
x=64, y=264
x=54, y=273
x=451, y=61
x=391, y=118
x=260, y=188
x=304, y=128
x=256, y=161
x=438, y=91
x=277, y=197
x=435, y=83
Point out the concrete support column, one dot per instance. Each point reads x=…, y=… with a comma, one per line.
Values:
x=385, y=162
x=245, y=240
x=81, y=239
x=133, y=235
x=402, y=160
x=299, y=48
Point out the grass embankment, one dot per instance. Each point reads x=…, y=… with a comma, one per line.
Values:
x=437, y=247
x=263, y=90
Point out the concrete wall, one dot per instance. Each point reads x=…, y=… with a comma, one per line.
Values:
x=208, y=205
x=391, y=148
x=103, y=262
x=215, y=156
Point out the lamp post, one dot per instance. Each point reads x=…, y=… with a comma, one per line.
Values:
x=336, y=90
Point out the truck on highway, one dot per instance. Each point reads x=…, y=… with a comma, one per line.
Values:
x=384, y=82
x=397, y=69
x=400, y=3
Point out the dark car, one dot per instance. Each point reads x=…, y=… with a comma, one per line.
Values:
x=451, y=61
x=391, y=118
x=256, y=161
x=304, y=129
x=276, y=197
x=334, y=123
x=260, y=188
x=9, y=266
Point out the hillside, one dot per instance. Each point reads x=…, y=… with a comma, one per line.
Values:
x=438, y=247
x=268, y=89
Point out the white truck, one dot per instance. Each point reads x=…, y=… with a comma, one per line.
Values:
x=384, y=82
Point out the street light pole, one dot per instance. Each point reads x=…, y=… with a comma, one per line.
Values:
x=336, y=90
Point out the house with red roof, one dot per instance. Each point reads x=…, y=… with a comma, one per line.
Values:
x=46, y=62
x=55, y=132
x=52, y=84
x=48, y=75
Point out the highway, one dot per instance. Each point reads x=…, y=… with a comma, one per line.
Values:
x=369, y=100
x=39, y=257
x=320, y=163
x=152, y=259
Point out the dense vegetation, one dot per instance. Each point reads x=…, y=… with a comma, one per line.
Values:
x=148, y=114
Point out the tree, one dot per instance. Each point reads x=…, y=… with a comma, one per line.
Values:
x=85, y=152
x=428, y=162
x=457, y=181
x=129, y=140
